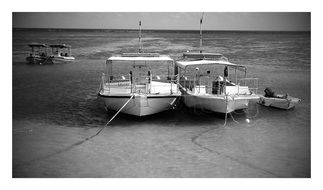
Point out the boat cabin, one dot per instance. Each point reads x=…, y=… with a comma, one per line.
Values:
x=38, y=50
x=138, y=64
x=211, y=73
x=61, y=50
x=141, y=72
x=137, y=84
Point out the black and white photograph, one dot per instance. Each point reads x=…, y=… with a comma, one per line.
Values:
x=182, y=94
x=161, y=94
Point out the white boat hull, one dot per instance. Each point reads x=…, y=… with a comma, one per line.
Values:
x=217, y=103
x=35, y=59
x=57, y=60
x=141, y=104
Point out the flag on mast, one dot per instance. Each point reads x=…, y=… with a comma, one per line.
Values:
x=201, y=21
x=140, y=46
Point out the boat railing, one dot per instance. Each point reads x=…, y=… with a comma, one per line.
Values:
x=140, y=84
x=195, y=84
x=114, y=81
x=166, y=81
x=251, y=83
x=187, y=82
x=210, y=85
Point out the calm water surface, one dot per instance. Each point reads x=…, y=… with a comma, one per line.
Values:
x=56, y=105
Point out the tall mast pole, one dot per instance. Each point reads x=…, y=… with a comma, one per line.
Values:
x=201, y=22
x=140, y=48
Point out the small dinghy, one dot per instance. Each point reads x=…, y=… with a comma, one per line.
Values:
x=278, y=101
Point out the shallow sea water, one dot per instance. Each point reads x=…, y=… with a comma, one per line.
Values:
x=56, y=106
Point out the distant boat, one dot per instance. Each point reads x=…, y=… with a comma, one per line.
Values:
x=61, y=53
x=49, y=54
x=38, y=53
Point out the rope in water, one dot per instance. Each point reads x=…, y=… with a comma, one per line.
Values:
x=226, y=111
x=114, y=116
x=233, y=118
x=75, y=144
x=257, y=112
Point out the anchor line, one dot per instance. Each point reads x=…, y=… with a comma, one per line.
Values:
x=46, y=59
x=74, y=144
x=114, y=116
x=233, y=118
x=254, y=116
x=226, y=110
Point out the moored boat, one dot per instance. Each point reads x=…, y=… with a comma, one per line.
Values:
x=49, y=54
x=148, y=93
x=270, y=99
x=137, y=84
x=61, y=53
x=38, y=54
x=203, y=87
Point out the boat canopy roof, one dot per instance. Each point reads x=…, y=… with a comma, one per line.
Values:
x=37, y=45
x=140, y=57
x=60, y=46
x=200, y=55
x=184, y=64
x=201, y=58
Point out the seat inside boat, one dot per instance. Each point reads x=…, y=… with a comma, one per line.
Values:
x=201, y=89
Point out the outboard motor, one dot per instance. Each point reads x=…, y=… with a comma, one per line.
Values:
x=269, y=93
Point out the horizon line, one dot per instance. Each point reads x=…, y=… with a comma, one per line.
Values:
x=162, y=29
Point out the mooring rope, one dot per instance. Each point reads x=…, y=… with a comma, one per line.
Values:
x=74, y=144
x=254, y=116
x=113, y=116
x=226, y=111
x=233, y=117
x=46, y=60
x=239, y=113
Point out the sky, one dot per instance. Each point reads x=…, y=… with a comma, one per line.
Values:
x=267, y=21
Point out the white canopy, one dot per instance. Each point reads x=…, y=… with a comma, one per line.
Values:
x=159, y=58
x=184, y=64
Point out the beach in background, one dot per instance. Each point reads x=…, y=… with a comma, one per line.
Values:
x=56, y=106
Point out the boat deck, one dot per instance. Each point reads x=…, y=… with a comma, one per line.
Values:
x=155, y=87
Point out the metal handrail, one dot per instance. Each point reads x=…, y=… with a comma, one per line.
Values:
x=255, y=84
x=192, y=83
x=120, y=81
